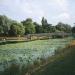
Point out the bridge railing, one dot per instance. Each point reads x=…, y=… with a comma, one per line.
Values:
x=36, y=36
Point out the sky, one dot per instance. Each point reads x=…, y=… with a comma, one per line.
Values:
x=53, y=10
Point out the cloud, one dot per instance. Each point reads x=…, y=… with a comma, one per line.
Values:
x=22, y=9
x=59, y=4
x=63, y=16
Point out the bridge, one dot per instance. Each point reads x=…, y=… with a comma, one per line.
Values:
x=58, y=34
x=36, y=36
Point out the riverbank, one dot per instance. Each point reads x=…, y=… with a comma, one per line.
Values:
x=32, y=37
x=60, y=64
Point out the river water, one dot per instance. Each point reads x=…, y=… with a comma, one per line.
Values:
x=27, y=52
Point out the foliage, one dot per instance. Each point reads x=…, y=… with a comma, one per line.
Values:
x=63, y=27
x=1, y=30
x=5, y=23
x=29, y=26
x=47, y=27
x=38, y=28
x=16, y=29
x=73, y=29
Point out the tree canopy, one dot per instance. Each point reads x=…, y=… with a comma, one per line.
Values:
x=38, y=28
x=16, y=29
x=63, y=27
x=28, y=26
x=47, y=28
x=73, y=29
x=5, y=24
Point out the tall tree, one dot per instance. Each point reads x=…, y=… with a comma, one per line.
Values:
x=29, y=26
x=44, y=22
x=46, y=26
x=5, y=23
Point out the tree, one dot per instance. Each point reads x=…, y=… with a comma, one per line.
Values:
x=73, y=29
x=44, y=25
x=52, y=29
x=44, y=22
x=29, y=26
x=47, y=28
x=38, y=28
x=60, y=26
x=1, y=30
x=16, y=29
x=63, y=27
x=5, y=23
x=68, y=28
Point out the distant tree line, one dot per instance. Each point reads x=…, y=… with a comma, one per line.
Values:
x=9, y=27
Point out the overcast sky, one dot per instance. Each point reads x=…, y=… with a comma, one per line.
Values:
x=53, y=10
